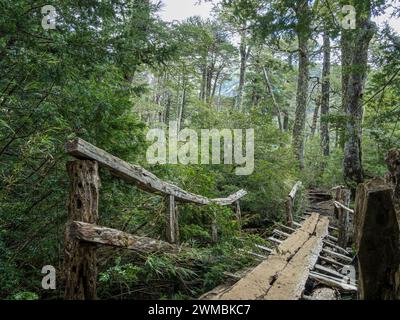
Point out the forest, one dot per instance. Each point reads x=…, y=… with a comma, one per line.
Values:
x=316, y=81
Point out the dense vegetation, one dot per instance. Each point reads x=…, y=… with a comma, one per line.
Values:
x=323, y=102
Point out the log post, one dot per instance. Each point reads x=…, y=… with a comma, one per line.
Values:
x=393, y=163
x=336, y=196
x=214, y=229
x=344, y=218
x=171, y=220
x=289, y=212
x=238, y=214
x=377, y=241
x=80, y=259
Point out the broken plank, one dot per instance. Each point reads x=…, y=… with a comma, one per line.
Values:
x=256, y=283
x=281, y=233
x=337, y=255
x=332, y=261
x=291, y=230
x=328, y=270
x=332, y=283
x=264, y=248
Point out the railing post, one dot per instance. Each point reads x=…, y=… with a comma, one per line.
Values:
x=377, y=242
x=289, y=212
x=238, y=213
x=171, y=220
x=80, y=262
x=344, y=218
x=214, y=229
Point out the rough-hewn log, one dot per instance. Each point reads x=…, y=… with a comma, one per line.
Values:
x=142, y=178
x=344, y=217
x=80, y=260
x=393, y=163
x=91, y=233
x=238, y=213
x=171, y=220
x=289, y=212
x=377, y=241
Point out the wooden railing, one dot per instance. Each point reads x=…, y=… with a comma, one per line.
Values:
x=290, y=202
x=341, y=202
x=82, y=235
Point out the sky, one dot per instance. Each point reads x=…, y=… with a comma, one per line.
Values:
x=182, y=9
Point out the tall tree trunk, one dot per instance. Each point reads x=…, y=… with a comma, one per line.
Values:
x=315, y=117
x=325, y=98
x=303, y=34
x=271, y=92
x=244, y=54
x=352, y=164
x=202, y=94
x=182, y=107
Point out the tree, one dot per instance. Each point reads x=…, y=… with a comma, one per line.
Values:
x=325, y=94
x=303, y=31
x=355, y=45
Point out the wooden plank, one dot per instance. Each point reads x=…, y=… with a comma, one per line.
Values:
x=332, y=282
x=256, y=284
x=281, y=233
x=264, y=248
x=141, y=177
x=329, y=271
x=291, y=230
x=292, y=279
x=332, y=261
x=339, y=205
x=111, y=237
x=337, y=255
x=334, y=246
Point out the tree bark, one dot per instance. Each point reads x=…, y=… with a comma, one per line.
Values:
x=271, y=92
x=79, y=259
x=315, y=117
x=244, y=54
x=352, y=164
x=325, y=95
x=303, y=34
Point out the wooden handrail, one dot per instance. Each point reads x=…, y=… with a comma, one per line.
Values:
x=340, y=205
x=92, y=233
x=141, y=177
x=290, y=203
x=294, y=190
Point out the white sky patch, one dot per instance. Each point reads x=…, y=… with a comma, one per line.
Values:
x=393, y=22
x=183, y=9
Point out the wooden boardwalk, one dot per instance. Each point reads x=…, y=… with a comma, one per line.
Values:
x=284, y=274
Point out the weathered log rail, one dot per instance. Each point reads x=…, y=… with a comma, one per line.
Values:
x=290, y=202
x=83, y=235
